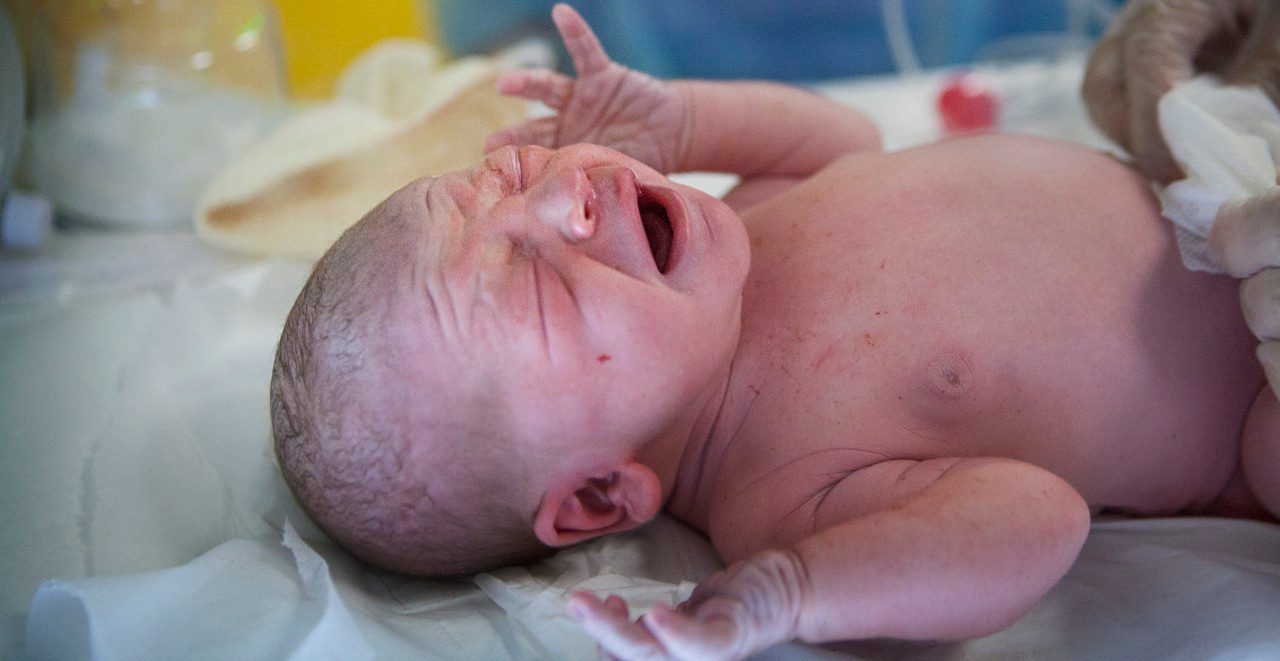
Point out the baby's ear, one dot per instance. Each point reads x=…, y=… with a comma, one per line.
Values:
x=578, y=510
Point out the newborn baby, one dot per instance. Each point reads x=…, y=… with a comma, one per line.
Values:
x=890, y=388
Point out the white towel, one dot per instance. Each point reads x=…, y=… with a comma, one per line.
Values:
x=242, y=599
x=1227, y=141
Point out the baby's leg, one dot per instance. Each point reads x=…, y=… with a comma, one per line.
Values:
x=1260, y=450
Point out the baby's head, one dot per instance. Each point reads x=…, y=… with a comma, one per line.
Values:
x=504, y=360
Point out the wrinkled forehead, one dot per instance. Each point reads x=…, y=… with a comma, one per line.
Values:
x=448, y=252
x=468, y=237
x=469, y=225
x=453, y=207
x=462, y=234
x=464, y=195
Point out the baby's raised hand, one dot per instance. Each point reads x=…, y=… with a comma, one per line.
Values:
x=607, y=104
x=740, y=611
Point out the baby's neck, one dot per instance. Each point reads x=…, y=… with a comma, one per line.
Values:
x=718, y=423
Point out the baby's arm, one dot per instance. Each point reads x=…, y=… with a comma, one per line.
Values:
x=969, y=546
x=761, y=129
x=938, y=549
x=755, y=129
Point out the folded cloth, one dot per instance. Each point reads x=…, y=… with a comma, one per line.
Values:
x=243, y=598
x=1227, y=141
x=307, y=599
x=399, y=115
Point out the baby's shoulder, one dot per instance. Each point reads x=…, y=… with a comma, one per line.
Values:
x=968, y=156
x=1015, y=156
x=979, y=170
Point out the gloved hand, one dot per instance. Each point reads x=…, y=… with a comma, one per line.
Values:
x=608, y=104
x=1245, y=240
x=1156, y=44
x=733, y=614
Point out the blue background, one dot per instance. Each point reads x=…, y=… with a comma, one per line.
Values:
x=775, y=39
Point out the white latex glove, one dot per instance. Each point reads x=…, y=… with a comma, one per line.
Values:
x=1257, y=287
x=1246, y=240
x=735, y=613
x=1156, y=44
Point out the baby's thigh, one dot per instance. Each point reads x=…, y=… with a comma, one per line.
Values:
x=1260, y=450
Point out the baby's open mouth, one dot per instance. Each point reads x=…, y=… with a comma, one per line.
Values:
x=657, y=228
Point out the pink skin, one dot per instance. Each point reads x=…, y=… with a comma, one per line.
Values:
x=552, y=286
x=940, y=363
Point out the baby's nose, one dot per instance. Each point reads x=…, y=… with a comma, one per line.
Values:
x=565, y=202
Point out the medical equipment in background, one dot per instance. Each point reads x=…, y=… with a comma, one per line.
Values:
x=1081, y=16
x=25, y=220
x=132, y=116
x=970, y=102
x=967, y=104
x=790, y=40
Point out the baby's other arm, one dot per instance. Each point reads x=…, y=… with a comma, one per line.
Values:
x=955, y=548
x=758, y=130
x=936, y=549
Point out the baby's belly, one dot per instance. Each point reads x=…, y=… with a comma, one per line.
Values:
x=1001, y=314
x=1141, y=416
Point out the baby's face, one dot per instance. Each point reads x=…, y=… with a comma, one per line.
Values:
x=597, y=296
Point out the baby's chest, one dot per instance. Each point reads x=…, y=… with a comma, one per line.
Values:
x=957, y=322
x=856, y=372
x=845, y=392
x=869, y=345
x=836, y=395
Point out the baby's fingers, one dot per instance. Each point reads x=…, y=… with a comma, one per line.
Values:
x=686, y=637
x=542, y=85
x=610, y=626
x=540, y=131
x=587, y=53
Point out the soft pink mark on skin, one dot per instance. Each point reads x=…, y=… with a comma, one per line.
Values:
x=604, y=358
x=799, y=334
x=825, y=355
